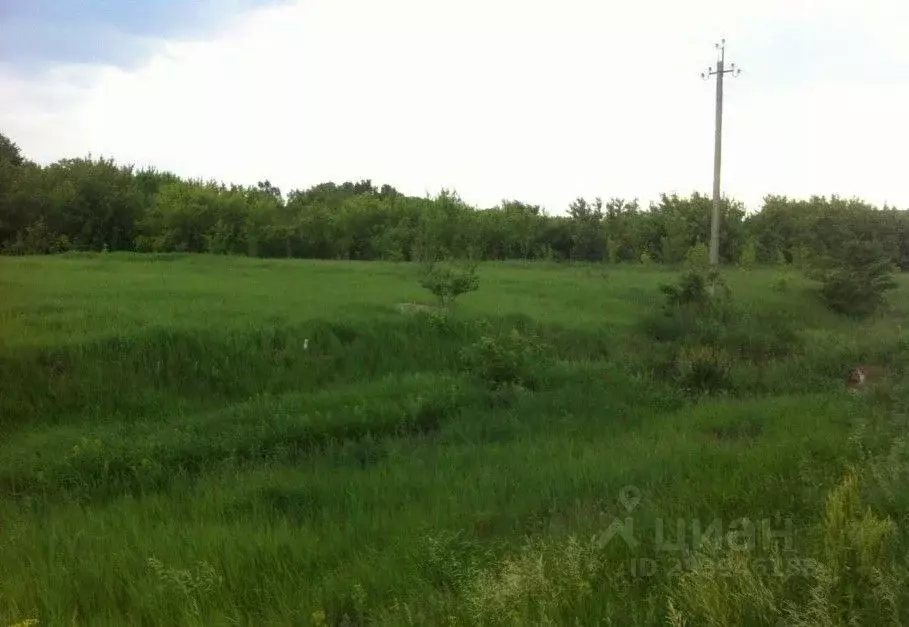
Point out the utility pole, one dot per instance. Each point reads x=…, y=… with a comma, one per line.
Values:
x=718, y=146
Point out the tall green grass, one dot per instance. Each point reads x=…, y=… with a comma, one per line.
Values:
x=216, y=441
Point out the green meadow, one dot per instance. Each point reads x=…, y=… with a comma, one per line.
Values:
x=215, y=440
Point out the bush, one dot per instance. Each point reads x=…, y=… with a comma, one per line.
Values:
x=505, y=359
x=748, y=256
x=690, y=290
x=448, y=281
x=701, y=335
x=703, y=369
x=855, y=282
x=37, y=239
x=694, y=289
x=698, y=257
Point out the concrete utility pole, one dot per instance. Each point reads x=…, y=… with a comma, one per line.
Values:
x=717, y=147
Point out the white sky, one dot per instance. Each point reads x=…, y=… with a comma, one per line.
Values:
x=496, y=99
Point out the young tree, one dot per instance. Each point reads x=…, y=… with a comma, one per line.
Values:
x=855, y=282
x=447, y=281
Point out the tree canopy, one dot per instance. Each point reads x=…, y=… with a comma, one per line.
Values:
x=94, y=204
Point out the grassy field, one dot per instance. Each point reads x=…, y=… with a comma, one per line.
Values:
x=192, y=440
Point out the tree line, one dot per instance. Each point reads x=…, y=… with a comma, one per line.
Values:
x=94, y=204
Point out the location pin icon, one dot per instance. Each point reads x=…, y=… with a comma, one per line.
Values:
x=629, y=497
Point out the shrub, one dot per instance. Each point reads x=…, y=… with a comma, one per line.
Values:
x=447, y=281
x=37, y=239
x=505, y=359
x=854, y=581
x=694, y=289
x=690, y=290
x=703, y=369
x=698, y=257
x=701, y=334
x=855, y=282
x=748, y=256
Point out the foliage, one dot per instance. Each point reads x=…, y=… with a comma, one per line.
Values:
x=856, y=583
x=37, y=239
x=691, y=290
x=588, y=239
x=694, y=289
x=703, y=334
x=206, y=393
x=856, y=281
x=698, y=257
x=10, y=152
x=447, y=280
x=92, y=203
x=748, y=256
x=503, y=359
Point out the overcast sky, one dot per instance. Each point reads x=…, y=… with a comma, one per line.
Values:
x=540, y=101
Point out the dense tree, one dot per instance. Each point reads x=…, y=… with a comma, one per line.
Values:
x=9, y=152
x=94, y=204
